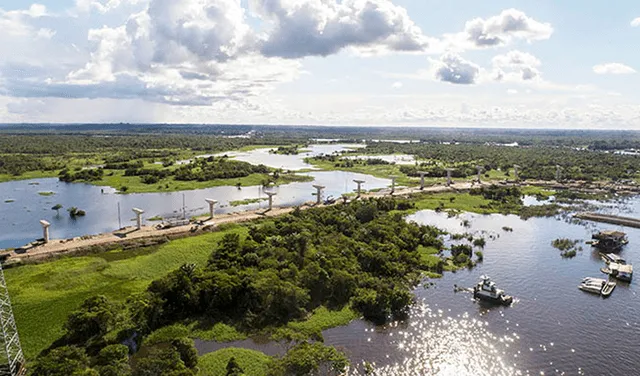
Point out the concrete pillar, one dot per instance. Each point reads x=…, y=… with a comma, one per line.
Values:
x=45, y=230
x=138, y=213
x=212, y=203
x=422, y=174
x=270, y=194
x=393, y=182
x=319, y=189
x=558, y=173
x=359, y=182
x=515, y=172
x=449, y=170
x=480, y=169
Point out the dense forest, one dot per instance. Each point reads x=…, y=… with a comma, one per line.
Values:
x=535, y=162
x=25, y=148
x=362, y=255
x=597, y=139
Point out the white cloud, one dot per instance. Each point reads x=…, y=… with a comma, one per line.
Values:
x=500, y=30
x=515, y=66
x=635, y=22
x=454, y=69
x=397, y=85
x=325, y=27
x=613, y=68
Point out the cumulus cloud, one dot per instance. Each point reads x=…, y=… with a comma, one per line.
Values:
x=210, y=53
x=103, y=6
x=613, y=68
x=515, y=66
x=325, y=27
x=454, y=69
x=499, y=30
x=635, y=22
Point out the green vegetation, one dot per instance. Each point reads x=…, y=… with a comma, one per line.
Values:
x=253, y=363
x=48, y=193
x=247, y=201
x=564, y=244
x=374, y=167
x=568, y=248
x=75, y=212
x=288, y=150
x=44, y=294
x=487, y=200
x=536, y=162
x=320, y=319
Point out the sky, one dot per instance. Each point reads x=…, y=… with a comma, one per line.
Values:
x=459, y=63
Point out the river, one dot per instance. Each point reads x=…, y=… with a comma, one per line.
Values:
x=552, y=328
x=22, y=206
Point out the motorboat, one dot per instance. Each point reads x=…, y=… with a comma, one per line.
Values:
x=593, y=280
x=607, y=288
x=592, y=285
x=486, y=290
x=597, y=286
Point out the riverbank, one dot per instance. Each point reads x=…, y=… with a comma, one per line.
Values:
x=151, y=234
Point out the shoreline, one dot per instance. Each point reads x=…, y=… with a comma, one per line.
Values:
x=151, y=235
x=130, y=237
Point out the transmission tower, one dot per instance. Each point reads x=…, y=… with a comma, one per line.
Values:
x=12, y=359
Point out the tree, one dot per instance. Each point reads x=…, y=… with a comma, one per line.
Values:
x=233, y=368
x=113, y=360
x=310, y=359
x=57, y=208
x=187, y=350
x=161, y=362
x=63, y=361
x=95, y=318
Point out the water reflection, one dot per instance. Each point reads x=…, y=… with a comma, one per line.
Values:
x=289, y=162
x=551, y=329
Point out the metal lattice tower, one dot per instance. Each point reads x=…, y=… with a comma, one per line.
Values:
x=12, y=357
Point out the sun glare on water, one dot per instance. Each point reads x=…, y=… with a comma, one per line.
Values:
x=449, y=346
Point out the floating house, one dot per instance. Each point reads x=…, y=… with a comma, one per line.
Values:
x=609, y=240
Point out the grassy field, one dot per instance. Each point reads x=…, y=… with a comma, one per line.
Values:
x=247, y=201
x=253, y=363
x=379, y=171
x=455, y=201
x=116, y=179
x=44, y=294
x=29, y=175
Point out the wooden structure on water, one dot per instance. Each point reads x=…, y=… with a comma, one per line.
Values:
x=613, y=219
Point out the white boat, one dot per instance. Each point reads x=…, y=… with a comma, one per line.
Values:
x=593, y=285
x=607, y=288
x=486, y=290
x=597, y=286
x=593, y=280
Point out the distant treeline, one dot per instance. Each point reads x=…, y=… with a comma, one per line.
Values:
x=201, y=136
x=536, y=162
